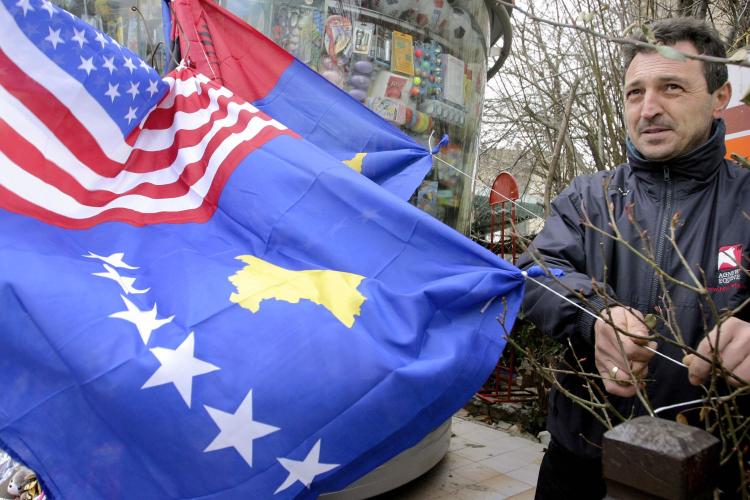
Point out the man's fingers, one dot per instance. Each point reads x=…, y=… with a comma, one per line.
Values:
x=617, y=381
x=635, y=352
x=698, y=369
x=742, y=371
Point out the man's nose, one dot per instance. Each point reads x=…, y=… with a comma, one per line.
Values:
x=651, y=105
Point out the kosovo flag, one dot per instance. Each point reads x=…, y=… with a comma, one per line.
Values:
x=237, y=56
x=196, y=302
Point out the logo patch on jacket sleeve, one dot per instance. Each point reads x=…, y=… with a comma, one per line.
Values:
x=729, y=275
x=730, y=257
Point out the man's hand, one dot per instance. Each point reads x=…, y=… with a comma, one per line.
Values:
x=612, y=361
x=733, y=349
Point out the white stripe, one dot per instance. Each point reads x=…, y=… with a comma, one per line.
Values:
x=160, y=139
x=30, y=127
x=737, y=135
x=33, y=190
x=81, y=104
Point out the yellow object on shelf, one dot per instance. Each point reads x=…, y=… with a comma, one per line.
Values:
x=402, y=56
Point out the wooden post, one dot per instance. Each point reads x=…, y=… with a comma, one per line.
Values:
x=647, y=458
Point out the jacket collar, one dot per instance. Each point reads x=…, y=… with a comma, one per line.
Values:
x=700, y=164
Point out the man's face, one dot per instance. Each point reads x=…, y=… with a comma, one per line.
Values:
x=668, y=110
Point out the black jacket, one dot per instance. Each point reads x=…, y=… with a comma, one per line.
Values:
x=709, y=200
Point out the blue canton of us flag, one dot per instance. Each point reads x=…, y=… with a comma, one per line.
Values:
x=197, y=303
x=123, y=84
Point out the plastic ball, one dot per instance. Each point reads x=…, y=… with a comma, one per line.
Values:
x=360, y=81
x=426, y=65
x=417, y=80
x=400, y=9
x=459, y=25
x=363, y=67
x=418, y=53
x=432, y=14
x=358, y=94
x=414, y=91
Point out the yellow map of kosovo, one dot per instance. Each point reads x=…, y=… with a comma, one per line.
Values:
x=260, y=280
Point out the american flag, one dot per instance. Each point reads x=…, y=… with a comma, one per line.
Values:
x=90, y=133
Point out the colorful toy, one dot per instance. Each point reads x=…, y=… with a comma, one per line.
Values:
x=428, y=59
x=443, y=111
x=391, y=109
x=24, y=485
x=360, y=79
x=338, y=36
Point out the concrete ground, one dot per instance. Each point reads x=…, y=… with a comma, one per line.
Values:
x=483, y=463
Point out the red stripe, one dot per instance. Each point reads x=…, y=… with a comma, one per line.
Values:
x=26, y=155
x=75, y=136
x=56, y=116
x=12, y=202
x=163, y=118
x=246, y=61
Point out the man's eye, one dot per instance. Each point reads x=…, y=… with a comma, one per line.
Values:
x=632, y=93
x=673, y=87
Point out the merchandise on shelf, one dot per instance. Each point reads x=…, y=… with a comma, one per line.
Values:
x=443, y=111
x=296, y=28
x=458, y=27
x=402, y=57
x=428, y=79
x=398, y=9
x=433, y=14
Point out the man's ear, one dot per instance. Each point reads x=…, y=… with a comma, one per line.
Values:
x=721, y=99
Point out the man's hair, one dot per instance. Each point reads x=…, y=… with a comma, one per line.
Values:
x=686, y=29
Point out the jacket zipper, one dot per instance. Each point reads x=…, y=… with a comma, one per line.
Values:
x=661, y=237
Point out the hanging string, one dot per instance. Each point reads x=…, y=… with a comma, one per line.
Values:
x=434, y=151
x=525, y=274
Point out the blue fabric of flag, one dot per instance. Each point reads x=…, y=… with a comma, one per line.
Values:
x=229, y=51
x=312, y=328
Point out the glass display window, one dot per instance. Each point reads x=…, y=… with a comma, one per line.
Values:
x=420, y=64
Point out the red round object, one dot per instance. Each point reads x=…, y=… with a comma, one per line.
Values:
x=418, y=53
x=414, y=91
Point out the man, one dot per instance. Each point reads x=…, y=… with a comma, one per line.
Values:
x=676, y=178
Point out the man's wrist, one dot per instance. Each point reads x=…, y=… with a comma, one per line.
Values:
x=585, y=322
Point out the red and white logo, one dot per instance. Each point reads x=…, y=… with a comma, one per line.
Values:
x=730, y=257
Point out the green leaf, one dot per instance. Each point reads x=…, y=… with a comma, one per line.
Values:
x=670, y=53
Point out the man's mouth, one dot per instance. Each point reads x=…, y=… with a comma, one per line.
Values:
x=654, y=130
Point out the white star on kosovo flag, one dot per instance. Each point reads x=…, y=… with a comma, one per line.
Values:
x=114, y=260
x=178, y=367
x=305, y=470
x=125, y=282
x=238, y=430
x=144, y=321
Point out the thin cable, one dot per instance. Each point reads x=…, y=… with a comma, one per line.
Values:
x=664, y=356
x=566, y=299
x=518, y=205
x=693, y=402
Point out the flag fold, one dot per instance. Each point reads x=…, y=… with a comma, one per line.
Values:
x=199, y=303
x=235, y=55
